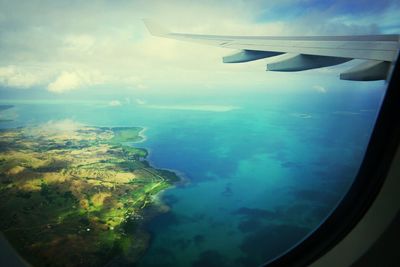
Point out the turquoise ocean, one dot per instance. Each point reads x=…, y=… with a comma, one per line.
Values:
x=261, y=169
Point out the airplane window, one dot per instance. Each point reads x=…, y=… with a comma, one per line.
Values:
x=119, y=147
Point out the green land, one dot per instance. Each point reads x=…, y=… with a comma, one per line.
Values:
x=79, y=196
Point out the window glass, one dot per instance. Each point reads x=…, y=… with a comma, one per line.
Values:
x=120, y=148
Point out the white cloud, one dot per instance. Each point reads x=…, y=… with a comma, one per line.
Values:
x=79, y=43
x=140, y=101
x=15, y=77
x=90, y=44
x=125, y=54
x=66, y=125
x=66, y=81
x=141, y=86
x=114, y=103
x=129, y=80
x=55, y=127
x=320, y=89
x=72, y=80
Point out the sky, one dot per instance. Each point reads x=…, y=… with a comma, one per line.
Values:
x=64, y=47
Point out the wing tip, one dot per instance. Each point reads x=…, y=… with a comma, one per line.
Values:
x=154, y=28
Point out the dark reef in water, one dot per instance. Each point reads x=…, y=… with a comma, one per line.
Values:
x=4, y=107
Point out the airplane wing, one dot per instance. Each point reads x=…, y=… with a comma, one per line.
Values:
x=378, y=52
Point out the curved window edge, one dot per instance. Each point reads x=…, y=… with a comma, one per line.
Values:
x=382, y=147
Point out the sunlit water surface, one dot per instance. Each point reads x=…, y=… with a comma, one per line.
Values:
x=262, y=170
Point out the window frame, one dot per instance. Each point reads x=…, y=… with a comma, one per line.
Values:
x=374, y=169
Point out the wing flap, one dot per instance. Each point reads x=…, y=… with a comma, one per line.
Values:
x=370, y=70
x=305, y=62
x=248, y=55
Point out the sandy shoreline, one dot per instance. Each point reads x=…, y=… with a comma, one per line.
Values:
x=142, y=135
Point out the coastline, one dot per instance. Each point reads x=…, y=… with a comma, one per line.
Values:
x=136, y=227
x=142, y=135
x=157, y=206
x=183, y=178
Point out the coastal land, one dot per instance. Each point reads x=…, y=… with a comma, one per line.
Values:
x=74, y=195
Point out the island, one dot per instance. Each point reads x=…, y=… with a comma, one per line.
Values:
x=78, y=195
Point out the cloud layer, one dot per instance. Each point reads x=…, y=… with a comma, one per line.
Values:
x=63, y=46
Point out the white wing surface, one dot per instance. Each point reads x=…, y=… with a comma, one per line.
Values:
x=378, y=52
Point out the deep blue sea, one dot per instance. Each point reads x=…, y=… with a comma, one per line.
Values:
x=262, y=169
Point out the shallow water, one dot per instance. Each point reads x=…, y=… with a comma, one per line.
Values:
x=261, y=175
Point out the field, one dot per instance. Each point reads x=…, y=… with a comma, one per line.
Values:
x=77, y=196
